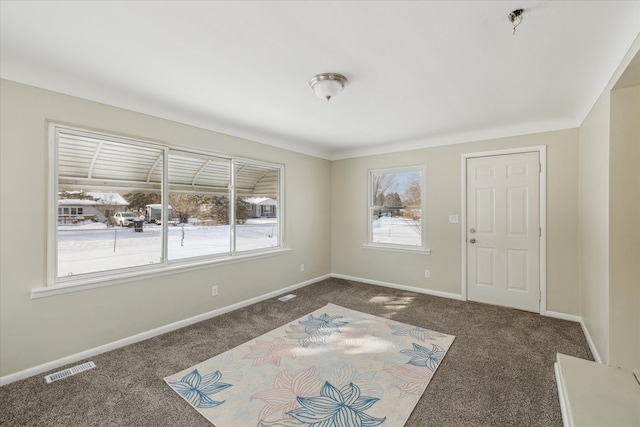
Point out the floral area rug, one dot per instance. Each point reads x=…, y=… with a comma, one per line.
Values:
x=333, y=367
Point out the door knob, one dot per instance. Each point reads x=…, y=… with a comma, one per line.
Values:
x=473, y=230
x=472, y=241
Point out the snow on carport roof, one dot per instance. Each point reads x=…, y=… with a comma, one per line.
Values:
x=102, y=163
x=260, y=200
x=96, y=199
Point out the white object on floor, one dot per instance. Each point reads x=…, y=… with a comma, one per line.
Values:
x=592, y=394
x=287, y=297
x=69, y=371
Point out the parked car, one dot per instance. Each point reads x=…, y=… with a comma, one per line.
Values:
x=124, y=219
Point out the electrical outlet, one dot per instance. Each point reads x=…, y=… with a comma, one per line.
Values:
x=427, y=274
x=214, y=291
x=301, y=268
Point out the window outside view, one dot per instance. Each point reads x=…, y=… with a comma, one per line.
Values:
x=396, y=206
x=199, y=201
x=256, y=208
x=110, y=212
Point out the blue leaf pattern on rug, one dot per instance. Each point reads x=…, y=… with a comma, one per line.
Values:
x=331, y=367
x=196, y=389
x=341, y=408
x=323, y=325
x=315, y=330
x=422, y=356
x=421, y=334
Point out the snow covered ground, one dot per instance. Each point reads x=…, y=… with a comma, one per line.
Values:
x=396, y=230
x=92, y=247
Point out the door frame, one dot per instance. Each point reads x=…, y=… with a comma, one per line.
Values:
x=542, y=154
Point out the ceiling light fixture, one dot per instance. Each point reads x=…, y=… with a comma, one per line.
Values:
x=327, y=85
x=515, y=18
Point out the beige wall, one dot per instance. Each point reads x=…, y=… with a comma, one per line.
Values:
x=609, y=182
x=609, y=140
x=443, y=197
x=594, y=225
x=624, y=231
x=33, y=332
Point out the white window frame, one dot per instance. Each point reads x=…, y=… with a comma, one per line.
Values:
x=370, y=206
x=57, y=285
x=165, y=212
x=279, y=201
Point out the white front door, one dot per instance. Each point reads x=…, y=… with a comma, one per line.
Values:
x=503, y=230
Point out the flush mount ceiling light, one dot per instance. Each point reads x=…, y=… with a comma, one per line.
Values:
x=327, y=85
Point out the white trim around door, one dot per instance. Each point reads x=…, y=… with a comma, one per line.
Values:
x=542, y=150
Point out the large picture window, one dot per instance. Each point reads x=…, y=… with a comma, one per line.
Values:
x=123, y=206
x=396, y=198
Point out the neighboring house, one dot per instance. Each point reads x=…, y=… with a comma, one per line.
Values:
x=97, y=207
x=261, y=207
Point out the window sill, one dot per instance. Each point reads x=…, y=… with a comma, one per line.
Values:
x=98, y=282
x=406, y=249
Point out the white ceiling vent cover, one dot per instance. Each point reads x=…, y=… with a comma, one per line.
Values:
x=68, y=372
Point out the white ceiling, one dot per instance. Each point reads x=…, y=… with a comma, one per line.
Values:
x=421, y=73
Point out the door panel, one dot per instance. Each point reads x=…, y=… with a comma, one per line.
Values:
x=517, y=221
x=503, y=219
x=485, y=266
x=517, y=270
x=485, y=202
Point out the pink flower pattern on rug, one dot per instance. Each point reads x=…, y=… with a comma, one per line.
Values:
x=413, y=379
x=281, y=398
x=263, y=352
x=333, y=367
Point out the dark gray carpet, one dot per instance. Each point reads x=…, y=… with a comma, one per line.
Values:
x=498, y=372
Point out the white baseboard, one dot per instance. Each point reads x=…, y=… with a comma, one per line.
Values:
x=592, y=346
x=401, y=287
x=36, y=370
x=563, y=316
x=585, y=331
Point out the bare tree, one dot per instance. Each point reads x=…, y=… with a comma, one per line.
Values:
x=107, y=208
x=183, y=205
x=137, y=201
x=412, y=195
x=383, y=184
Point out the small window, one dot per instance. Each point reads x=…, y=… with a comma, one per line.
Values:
x=396, y=207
